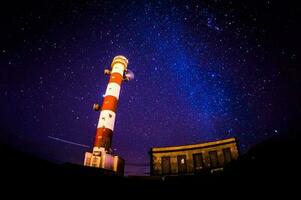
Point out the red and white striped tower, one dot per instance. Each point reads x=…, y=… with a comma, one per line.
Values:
x=107, y=116
x=103, y=139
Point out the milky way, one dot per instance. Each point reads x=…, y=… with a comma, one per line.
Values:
x=203, y=71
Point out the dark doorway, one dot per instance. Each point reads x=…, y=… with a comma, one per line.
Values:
x=213, y=159
x=227, y=155
x=198, y=163
x=165, y=162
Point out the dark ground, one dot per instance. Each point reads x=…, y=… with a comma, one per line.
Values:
x=271, y=167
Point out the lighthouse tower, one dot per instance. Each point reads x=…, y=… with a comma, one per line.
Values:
x=102, y=156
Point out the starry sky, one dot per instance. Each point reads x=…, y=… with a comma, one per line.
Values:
x=204, y=70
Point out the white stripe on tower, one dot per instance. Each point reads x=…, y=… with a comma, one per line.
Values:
x=113, y=89
x=118, y=68
x=106, y=119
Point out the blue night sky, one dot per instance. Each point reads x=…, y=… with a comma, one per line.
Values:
x=204, y=70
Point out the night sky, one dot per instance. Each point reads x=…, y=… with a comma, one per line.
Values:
x=204, y=70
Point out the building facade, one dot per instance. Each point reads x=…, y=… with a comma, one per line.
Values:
x=194, y=158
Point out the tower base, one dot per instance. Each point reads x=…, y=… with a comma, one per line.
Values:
x=99, y=158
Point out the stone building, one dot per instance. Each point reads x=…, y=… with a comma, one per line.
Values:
x=193, y=158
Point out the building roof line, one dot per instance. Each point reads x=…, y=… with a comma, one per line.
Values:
x=192, y=146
